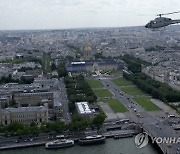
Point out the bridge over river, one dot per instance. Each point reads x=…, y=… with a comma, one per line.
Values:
x=154, y=125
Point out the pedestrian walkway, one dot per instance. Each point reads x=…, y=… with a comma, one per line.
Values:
x=109, y=112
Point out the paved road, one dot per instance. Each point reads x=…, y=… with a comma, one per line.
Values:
x=64, y=100
x=155, y=126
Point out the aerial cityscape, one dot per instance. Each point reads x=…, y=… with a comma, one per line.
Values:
x=98, y=89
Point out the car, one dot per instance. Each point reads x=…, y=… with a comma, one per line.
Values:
x=31, y=139
x=171, y=116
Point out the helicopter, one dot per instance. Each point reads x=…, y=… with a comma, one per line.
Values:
x=162, y=21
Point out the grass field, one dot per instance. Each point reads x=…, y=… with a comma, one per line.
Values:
x=116, y=105
x=95, y=83
x=122, y=82
x=46, y=63
x=146, y=103
x=102, y=93
x=117, y=73
x=132, y=91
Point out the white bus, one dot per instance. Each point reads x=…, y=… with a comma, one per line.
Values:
x=123, y=121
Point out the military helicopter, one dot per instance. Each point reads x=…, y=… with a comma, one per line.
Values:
x=162, y=21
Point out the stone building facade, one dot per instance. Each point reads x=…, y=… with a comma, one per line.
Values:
x=25, y=115
x=34, y=99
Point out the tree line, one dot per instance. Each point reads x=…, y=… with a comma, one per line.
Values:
x=155, y=88
x=9, y=79
x=78, y=123
x=134, y=64
x=21, y=60
x=78, y=90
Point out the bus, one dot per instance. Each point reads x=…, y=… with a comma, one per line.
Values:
x=123, y=121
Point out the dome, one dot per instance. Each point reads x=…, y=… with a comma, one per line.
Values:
x=87, y=48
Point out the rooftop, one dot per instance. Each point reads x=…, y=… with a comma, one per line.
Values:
x=24, y=109
x=83, y=108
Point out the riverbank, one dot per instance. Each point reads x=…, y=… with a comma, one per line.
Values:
x=42, y=141
x=17, y=146
x=111, y=146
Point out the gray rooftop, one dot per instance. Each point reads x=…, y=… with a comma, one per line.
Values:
x=24, y=109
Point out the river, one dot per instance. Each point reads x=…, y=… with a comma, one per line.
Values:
x=111, y=146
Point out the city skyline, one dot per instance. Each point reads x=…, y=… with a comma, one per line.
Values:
x=59, y=14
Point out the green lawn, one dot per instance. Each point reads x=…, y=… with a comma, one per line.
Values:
x=116, y=105
x=95, y=83
x=46, y=62
x=117, y=73
x=122, y=82
x=146, y=103
x=102, y=93
x=132, y=91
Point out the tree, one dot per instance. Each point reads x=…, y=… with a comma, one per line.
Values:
x=6, y=105
x=99, y=56
x=62, y=72
x=69, y=58
x=12, y=102
x=24, y=80
x=15, y=126
x=99, y=119
x=53, y=66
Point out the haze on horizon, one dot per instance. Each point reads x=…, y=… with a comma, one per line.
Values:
x=57, y=14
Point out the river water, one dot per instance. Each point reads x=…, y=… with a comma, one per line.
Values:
x=111, y=146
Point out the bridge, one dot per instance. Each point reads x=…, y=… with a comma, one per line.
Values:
x=152, y=124
x=166, y=147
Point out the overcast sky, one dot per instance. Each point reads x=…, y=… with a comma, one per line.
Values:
x=56, y=14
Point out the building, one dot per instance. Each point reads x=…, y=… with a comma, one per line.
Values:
x=83, y=109
x=50, y=99
x=87, y=54
x=3, y=102
x=102, y=65
x=34, y=99
x=76, y=67
x=25, y=115
x=95, y=65
x=57, y=110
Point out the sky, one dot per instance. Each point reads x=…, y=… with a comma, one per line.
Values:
x=58, y=14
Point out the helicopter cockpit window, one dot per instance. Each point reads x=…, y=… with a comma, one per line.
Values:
x=151, y=22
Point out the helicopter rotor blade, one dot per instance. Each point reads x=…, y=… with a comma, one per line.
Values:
x=168, y=13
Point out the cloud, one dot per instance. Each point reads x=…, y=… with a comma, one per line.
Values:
x=22, y=14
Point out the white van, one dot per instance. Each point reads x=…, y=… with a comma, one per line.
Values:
x=171, y=116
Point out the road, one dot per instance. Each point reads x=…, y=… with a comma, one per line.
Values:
x=64, y=100
x=154, y=125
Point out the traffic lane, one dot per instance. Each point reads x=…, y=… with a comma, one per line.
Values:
x=64, y=101
x=157, y=130
x=126, y=99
